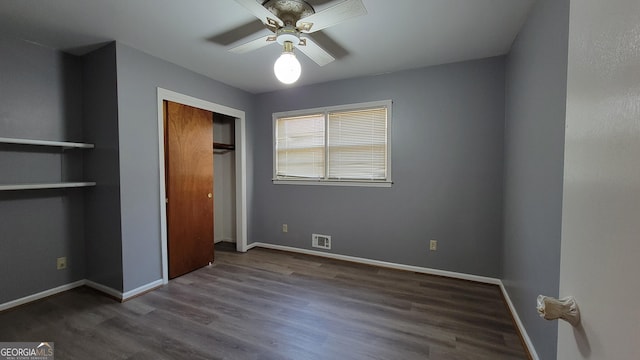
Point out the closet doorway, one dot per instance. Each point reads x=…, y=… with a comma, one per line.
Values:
x=224, y=176
x=232, y=122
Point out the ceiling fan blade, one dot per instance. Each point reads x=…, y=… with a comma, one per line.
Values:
x=261, y=12
x=336, y=14
x=253, y=44
x=316, y=53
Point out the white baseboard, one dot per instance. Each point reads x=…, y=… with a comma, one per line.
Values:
x=104, y=289
x=519, y=324
x=385, y=264
x=123, y=296
x=41, y=295
x=252, y=245
x=142, y=289
x=94, y=285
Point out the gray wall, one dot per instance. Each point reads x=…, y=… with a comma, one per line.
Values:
x=102, y=203
x=536, y=79
x=447, y=148
x=139, y=75
x=40, y=98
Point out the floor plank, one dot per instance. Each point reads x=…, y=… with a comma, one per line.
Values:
x=267, y=304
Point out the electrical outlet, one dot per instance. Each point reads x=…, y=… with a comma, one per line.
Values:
x=61, y=263
x=285, y=228
x=433, y=245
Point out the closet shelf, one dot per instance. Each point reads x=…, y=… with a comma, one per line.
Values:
x=62, y=144
x=8, y=187
x=223, y=146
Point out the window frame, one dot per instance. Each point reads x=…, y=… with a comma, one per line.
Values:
x=325, y=111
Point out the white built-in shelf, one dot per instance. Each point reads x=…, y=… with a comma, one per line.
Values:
x=35, y=186
x=8, y=187
x=62, y=144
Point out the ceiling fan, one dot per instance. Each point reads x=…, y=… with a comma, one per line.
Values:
x=292, y=21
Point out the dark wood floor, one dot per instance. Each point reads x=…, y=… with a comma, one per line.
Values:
x=275, y=305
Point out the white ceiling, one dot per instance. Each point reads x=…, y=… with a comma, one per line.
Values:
x=394, y=35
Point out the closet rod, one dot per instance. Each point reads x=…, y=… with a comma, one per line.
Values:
x=223, y=146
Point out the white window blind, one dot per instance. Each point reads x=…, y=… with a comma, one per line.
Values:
x=340, y=145
x=357, y=144
x=300, y=147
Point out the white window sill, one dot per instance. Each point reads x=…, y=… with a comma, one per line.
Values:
x=361, y=183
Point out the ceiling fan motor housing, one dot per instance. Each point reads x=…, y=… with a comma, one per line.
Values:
x=289, y=11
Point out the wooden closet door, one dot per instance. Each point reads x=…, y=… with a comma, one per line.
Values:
x=189, y=183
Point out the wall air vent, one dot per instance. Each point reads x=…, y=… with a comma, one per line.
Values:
x=321, y=241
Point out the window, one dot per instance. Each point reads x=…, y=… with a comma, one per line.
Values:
x=340, y=145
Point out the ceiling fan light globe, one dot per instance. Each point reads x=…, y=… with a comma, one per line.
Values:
x=287, y=68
